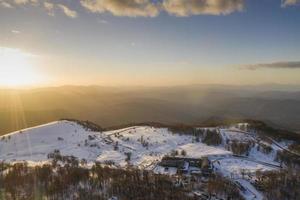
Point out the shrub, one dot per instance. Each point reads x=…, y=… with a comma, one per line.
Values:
x=240, y=148
x=212, y=138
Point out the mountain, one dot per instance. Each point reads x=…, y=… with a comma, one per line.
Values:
x=71, y=138
x=229, y=151
x=113, y=106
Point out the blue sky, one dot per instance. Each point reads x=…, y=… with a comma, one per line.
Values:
x=116, y=43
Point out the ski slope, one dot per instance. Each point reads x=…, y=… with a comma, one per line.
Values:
x=139, y=146
x=145, y=144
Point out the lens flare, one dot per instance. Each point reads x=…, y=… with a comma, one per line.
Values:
x=16, y=68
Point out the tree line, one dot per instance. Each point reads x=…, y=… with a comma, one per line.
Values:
x=66, y=177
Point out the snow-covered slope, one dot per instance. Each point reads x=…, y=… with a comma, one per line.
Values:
x=141, y=146
x=146, y=145
x=34, y=144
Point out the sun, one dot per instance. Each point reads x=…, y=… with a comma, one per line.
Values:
x=16, y=69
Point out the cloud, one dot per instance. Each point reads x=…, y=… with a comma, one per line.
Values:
x=67, y=11
x=20, y=2
x=130, y=8
x=47, y=5
x=149, y=8
x=5, y=4
x=15, y=31
x=275, y=65
x=49, y=8
x=102, y=21
x=142, y=8
x=202, y=7
x=289, y=2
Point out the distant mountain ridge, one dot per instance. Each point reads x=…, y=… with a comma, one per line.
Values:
x=113, y=106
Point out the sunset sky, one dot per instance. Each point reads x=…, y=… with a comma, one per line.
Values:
x=149, y=42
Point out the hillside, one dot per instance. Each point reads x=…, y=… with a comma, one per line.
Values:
x=70, y=138
x=233, y=152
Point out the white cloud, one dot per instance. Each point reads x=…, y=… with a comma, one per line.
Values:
x=16, y=32
x=290, y=2
x=148, y=8
x=130, y=8
x=67, y=11
x=141, y=8
x=102, y=21
x=20, y=2
x=5, y=4
x=49, y=7
x=200, y=7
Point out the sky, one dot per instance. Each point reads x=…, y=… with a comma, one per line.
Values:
x=149, y=42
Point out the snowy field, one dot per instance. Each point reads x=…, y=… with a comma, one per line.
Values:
x=145, y=146
x=235, y=167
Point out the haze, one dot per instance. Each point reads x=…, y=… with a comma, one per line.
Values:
x=173, y=61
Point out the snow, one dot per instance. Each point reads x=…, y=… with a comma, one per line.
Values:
x=167, y=171
x=36, y=143
x=235, y=134
x=234, y=167
x=145, y=146
x=148, y=145
x=251, y=193
x=258, y=155
x=198, y=150
x=242, y=171
x=112, y=155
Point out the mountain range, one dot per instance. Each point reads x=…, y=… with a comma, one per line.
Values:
x=114, y=106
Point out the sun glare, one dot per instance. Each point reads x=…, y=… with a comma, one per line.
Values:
x=16, y=69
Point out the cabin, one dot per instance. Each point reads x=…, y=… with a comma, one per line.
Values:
x=183, y=164
x=166, y=162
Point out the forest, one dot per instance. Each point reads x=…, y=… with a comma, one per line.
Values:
x=66, y=177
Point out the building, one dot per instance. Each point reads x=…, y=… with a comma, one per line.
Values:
x=183, y=164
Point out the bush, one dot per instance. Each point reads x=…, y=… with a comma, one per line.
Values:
x=220, y=186
x=240, y=148
x=279, y=185
x=212, y=138
x=183, y=153
x=288, y=158
x=264, y=148
x=89, y=126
